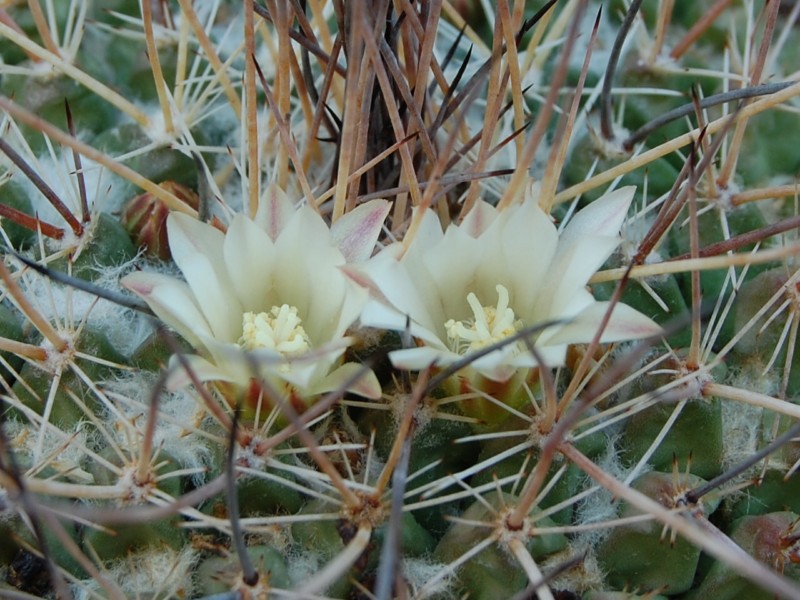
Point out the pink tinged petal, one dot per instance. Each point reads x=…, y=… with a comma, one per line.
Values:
x=274, y=211
x=479, y=218
x=334, y=304
x=346, y=378
x=250, y=257
x=358, y=275
x=626, y=323
x=173, y=302
x=356, y=232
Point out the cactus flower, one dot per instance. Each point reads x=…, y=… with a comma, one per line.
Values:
x=499, y=271
x=271, y=287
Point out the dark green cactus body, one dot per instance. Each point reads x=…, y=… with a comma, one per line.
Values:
x=696, y=436
x=161, y=164
x=109, y=246
x=712, y=282
x=641, y=555
x=14, y=195
x=481, y=574
x=120, y=541
x=771, y=539
x=45, y=95
x=217, y=574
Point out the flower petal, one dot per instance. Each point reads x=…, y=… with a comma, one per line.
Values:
x=569, y=272
x=189, y=237
x=199, y=367
x=479, y=218
x=382, y=316
x=451, y=279
x=274, y=211
x=356, y=232
x=250, y=257
x=604, y=216
x=524, y=246
x=366, y=385
x=418, y=359
x=408, y=296
x=626, y=323
x=198, y=250
x=172, y=301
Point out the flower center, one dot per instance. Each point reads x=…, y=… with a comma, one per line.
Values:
x=279, y=329
x=489, y=325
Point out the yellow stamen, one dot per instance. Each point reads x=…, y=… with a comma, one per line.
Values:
x=279, y=329
x=489, y=325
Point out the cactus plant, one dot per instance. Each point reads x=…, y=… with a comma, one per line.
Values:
x=399, y=300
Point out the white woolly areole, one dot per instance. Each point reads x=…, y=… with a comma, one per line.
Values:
x=150, y=573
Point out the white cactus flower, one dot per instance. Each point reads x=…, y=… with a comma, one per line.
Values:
x=272, y=287
x=499, y=271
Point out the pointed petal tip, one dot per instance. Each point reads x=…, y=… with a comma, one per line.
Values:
x=356, y=232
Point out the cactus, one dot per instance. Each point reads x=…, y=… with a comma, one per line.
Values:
x=407, y=300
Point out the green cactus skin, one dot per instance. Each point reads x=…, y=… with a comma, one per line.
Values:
x=324, y=540
x=120, y=541
x=109, y=246
x=154, y=352
x=218, y=574
x=666, y=288
x=773, y=493
x=14, y=195
x=479, y=575
x=598, y=595
x=21, y=538
x=695, y=435
x=46, y=96
x=64, y=410
x=10, y=328
x=436, y=441
x=569, y=483
x=712, y=282
x=768, y=538
x=327, y=538
x=640, y=555
x=660, y=175
x=162, y=164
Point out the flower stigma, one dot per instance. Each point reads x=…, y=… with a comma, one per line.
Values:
x=280, y=329
x=489, y=324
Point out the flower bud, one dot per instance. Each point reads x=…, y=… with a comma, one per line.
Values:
x=145, y=218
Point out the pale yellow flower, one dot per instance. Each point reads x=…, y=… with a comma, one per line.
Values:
x=499, y=271
x=271, y=287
